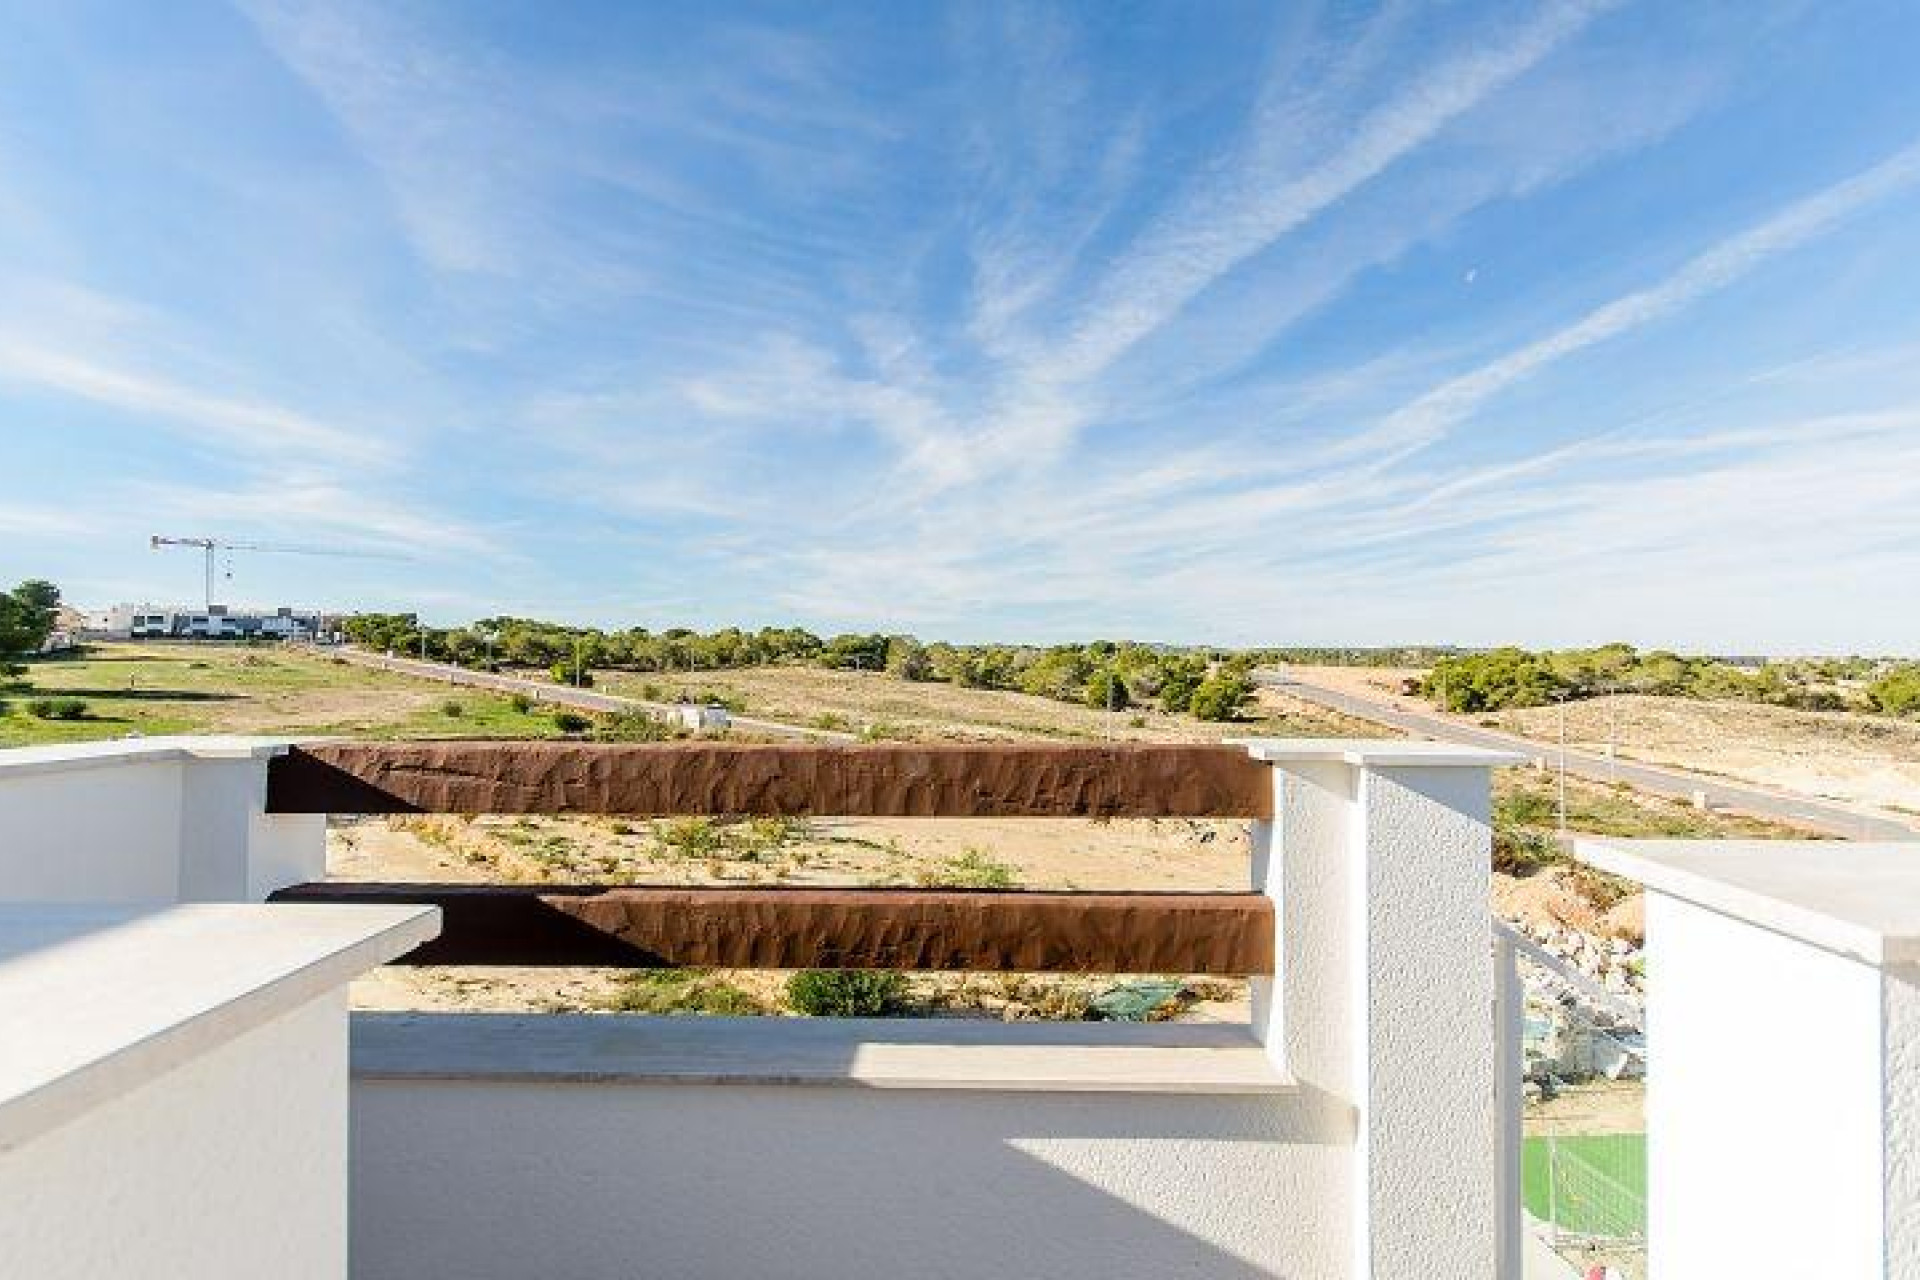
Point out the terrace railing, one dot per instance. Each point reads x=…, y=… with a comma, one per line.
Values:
x=1351, y=1125
x=788, y=927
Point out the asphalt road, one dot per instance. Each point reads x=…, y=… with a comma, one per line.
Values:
x=561, y=695
x=1817, y=815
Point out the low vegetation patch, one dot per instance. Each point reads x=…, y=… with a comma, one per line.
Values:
x=682, y=991
x=971, y=869
x=846, y=993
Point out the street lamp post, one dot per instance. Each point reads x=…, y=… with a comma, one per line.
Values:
x=1563, y=766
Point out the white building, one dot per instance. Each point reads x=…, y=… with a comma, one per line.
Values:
x=699, y=716
x=217, y=622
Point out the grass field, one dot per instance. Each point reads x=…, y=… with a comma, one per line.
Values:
x=149, y=689
x=1582, y=1203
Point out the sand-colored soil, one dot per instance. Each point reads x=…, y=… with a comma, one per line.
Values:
x=1029, y=853
x=1835, y=755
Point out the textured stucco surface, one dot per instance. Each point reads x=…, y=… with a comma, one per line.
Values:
x=505, y=1181
x=229, y=1167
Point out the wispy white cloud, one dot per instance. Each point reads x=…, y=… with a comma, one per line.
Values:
x=1255, y=200
x=1439, y=410
x=255, y=426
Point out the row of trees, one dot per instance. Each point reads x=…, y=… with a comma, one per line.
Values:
x=1511, y=677
x=1104, y=674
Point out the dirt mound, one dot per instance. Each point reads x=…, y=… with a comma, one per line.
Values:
x=1570, y=898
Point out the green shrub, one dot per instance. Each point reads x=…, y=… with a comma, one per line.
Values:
x=562, y=673
x=681, y=991
x=1220, y=696
x=691, y=838
x=571, y=722
x=973, y=869
x=57, y=709
x=632, y=726
x=1897, y=693
x=453, y=708
x=521, y=703
x=846, y=993
x=1106, y=691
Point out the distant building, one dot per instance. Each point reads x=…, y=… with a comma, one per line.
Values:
x=220, y=622
x=697, y=716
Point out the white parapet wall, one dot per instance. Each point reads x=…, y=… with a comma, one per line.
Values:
x=149, y=820
x=173, y=1086
x=1783, y=1101
x=1348, y=1133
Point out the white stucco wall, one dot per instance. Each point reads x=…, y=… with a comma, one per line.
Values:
x=1764, y=1122
x=149, y=820
x=229, y=1167
x=103, y=832
x=502, y=1181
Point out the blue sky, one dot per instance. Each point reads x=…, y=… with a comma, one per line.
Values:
x=1242, y=323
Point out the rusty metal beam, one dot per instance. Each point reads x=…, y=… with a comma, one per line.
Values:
x=958, y=780
x=790, y=928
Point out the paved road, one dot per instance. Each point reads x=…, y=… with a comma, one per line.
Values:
x=559, y=694
x=1819, y=815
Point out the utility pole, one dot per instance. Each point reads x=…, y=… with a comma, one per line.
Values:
x=1563, y=765
x=579, y=642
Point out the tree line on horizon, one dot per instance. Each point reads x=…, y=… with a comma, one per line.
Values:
x=1500, y=679
x=1210, y=684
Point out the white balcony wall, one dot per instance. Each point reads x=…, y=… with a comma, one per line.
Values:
x=484, y=1179
x=1783, y=1000
x=149, y=820
x=231, y=1166
x=1376, y=1159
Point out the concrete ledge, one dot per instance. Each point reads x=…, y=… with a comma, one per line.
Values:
x=869, y=1053
x=65, y=757
x=1859, y=899
x=1379, y=753
x=97, y=1000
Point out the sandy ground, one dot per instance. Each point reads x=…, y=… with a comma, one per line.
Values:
x=1835, y=755
x=1598, y=1106
x=1029, y=853
x=1382, y=684
x=1845, y=756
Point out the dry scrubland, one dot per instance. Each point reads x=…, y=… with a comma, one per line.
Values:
x=155, y=689
x=887, y=707
x=979, y=853
x=1847, y=756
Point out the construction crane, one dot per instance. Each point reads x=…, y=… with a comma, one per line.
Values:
x=213, y=546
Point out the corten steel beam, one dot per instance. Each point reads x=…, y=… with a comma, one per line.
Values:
x=960, y=780
x=784, y=928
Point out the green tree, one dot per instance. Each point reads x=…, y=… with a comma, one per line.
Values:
x=1107, y=691
x=1897, y=693
x=27, y=615
x=1221, y=695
